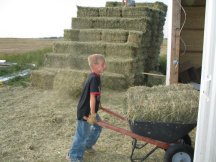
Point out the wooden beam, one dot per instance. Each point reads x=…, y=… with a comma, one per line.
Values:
x=175, y=42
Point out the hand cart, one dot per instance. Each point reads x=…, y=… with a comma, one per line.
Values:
x=173, y=138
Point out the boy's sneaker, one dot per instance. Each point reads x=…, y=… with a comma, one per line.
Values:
x=90, y=151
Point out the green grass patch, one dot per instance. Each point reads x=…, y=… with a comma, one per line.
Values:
x=20, y=81
x=36, y=57
x=23, y=60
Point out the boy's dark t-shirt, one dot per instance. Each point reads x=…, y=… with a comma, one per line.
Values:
x=92, y=85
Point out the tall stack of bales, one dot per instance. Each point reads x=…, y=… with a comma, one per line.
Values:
x=129, y=38
x=157, y=16
x=166, y=104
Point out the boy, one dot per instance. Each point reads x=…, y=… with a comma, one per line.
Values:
x=130, y=3
x=86, y=132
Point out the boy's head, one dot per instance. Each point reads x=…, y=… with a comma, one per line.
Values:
x=97, y=63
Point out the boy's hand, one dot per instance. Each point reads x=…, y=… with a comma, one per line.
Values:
x=91, y=119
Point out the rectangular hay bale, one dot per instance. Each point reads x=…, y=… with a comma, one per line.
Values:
x=71, y=34
x=87, y=11
x=79, y=48
x=119, y=36
x=110, y=12
x=88, y=35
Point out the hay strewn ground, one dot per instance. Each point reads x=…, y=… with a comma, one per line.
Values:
x=36, y=126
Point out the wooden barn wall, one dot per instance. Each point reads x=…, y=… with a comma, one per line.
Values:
x=192, y=33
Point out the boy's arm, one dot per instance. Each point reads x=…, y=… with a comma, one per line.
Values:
x=92, y=103
x=91, y=119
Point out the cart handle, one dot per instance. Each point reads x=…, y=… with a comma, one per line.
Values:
x=133, y=135
x=114, y=114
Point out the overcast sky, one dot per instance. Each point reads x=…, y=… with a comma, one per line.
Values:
x=43, y=18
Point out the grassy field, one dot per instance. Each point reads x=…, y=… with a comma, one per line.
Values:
x=37, y=125
x=22, y=45
x=24, y=52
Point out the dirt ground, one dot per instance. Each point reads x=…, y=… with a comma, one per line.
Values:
x=37, y=126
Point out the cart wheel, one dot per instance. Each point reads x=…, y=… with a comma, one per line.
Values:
x=186, y=140
x=179, y=153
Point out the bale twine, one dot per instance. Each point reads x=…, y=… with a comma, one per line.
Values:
x=166, y=104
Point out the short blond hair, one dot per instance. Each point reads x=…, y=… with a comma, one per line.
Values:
x=94, y=59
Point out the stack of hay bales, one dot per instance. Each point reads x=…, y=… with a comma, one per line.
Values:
x=166, y=104
x=129, y=38
x=157, y=16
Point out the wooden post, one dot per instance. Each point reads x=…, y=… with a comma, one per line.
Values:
x=174, y=43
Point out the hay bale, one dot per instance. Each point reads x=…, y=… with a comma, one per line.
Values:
x=110, y=12
x=79, y=62
x=155, y=6
x=90, y=35
x=151, y=63
x=160, y=6
x=140, y=38
x=57, y=60
x=153, y=80
x=140, y=24
x=69, y=82
x=137, y=12
x=87, y=11
x=119, y=36
x=81, y=23
x=166, y=104
x=79, y=48
x=114, y=81
x=120, y=50
x=123, y=66
x=71, y=35
x=42, y=79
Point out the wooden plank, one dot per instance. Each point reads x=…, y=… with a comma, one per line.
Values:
x=194, y=2
x=195, y=17
x=175, y=43
x=193, y=40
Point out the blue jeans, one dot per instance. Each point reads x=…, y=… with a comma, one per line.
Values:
x=85, y=137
